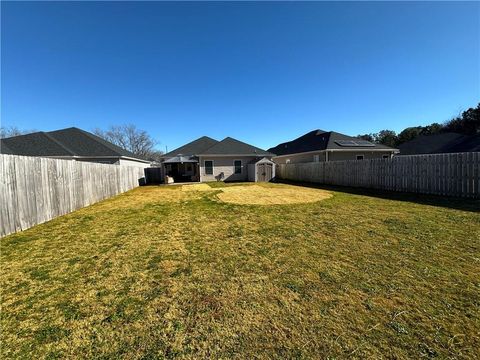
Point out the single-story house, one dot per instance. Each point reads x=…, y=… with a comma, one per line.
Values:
x=441, y=143
x=206, y=159
x=71, y=143
x=319, y=145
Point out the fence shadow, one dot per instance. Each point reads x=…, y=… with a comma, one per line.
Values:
x=471, y=205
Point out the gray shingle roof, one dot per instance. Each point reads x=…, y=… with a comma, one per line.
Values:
x=441, y=143
x=231, y=146
x=320, y=140
x=66, y=142
x=194, y=147
x=209, y=146
x=34, y=144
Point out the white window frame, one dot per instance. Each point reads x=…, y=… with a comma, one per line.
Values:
x=205, y=167
x=360, y=155
x=241, y=167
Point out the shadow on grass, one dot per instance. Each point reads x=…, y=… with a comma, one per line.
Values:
x=424, y=199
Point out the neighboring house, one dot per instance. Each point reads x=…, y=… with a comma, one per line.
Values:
x=71, y=143
x=318, y=145
x=207, y=159
x=440, y=144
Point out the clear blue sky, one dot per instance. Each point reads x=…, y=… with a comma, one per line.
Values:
x=261, y=72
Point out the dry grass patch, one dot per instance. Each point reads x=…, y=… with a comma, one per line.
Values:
x=275, y=194
x=196, y=187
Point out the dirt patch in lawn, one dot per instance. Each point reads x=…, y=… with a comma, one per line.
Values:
x=271, y=195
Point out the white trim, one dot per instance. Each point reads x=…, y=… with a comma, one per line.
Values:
x=205, y=168
x=241, y=167
x=395, y=151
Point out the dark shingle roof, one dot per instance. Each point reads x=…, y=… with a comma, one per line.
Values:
x=83, y=143
x=231, y=146
x=193, y=148
x=65, y=142
x=4, y=149
x=320, y=140
x=441, y=143
x=34, y=144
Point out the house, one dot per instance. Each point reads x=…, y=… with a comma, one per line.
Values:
x=206, y=159
x=441, y=143
x=71, y=143
x=319, y=145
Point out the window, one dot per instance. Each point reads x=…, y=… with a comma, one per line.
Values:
x=359, y=157
x=385, y=156
x=316, y=158
x=237, y=164
x=208, y=167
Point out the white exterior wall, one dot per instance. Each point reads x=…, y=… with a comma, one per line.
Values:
x=133, y=163
x=299, y=158
x=224, y=165
x=332, y=156
x=96, y=160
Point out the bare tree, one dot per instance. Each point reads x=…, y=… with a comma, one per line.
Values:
x=9, y=131
x=132, y=139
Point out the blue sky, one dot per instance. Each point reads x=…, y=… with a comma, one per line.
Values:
x=261, y=72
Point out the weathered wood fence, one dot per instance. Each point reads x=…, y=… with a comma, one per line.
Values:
x=34, y=189
x=441, y=174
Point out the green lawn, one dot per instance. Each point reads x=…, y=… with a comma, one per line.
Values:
x=159, y=272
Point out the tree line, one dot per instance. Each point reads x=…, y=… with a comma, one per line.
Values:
x=468, y=123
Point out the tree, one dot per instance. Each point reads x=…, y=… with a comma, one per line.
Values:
x=386, y=137
x=408, y=134
x=467, y=123
x=431, y=129
x=368, y=137
x=132, y=139
x=9, y=131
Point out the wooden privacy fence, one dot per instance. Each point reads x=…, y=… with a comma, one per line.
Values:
x=440, y=174
x=34, y=189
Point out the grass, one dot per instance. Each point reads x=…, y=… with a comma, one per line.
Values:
x=163, y=273
x=240, y=193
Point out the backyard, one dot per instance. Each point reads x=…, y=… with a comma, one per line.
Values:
x=246, y=271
